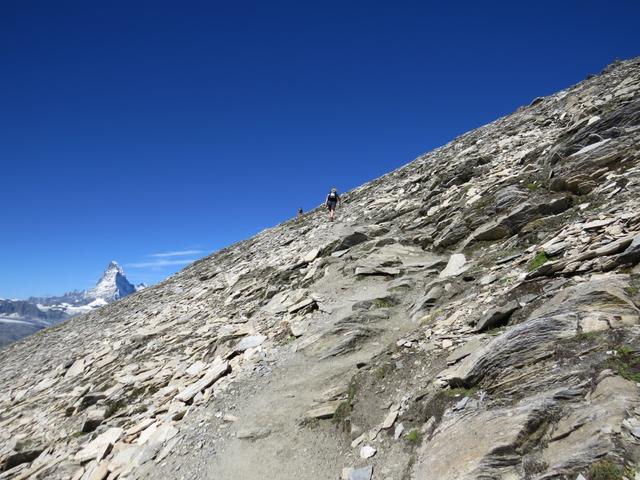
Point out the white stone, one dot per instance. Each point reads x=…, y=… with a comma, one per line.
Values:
x=457, y=264
x=195, y=368
x=358, y=440
x=367, y=451
x=390, y=419
x=311, y=255
x=76, y=369
x=398, y=431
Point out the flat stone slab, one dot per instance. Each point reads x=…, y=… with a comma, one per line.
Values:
x=307, y=302
x=76, y=369
x=465, y=350
x=326, y=410
x=390, y=419
x=217, y=370
x=99, y=446
x=251, y=341
x=598, y=224
x=311, y=255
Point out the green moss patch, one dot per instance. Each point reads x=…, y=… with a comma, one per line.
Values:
x=605, y=470
x=626, y=363
x=413, y=436
x=537, y=261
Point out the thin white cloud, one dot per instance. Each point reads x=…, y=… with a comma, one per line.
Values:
x=177, y=253
x=160, y=263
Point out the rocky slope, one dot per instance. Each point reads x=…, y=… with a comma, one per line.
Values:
x=474, y=314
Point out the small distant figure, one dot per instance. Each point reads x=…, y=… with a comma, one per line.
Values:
x=332, y=202
x=300, y=212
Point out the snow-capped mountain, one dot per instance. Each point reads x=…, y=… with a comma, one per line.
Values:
x=112, y=286
x=19, y=318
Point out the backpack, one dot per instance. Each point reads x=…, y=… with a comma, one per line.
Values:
x=333, y=196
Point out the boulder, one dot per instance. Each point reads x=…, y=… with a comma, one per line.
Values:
x=496, y=317
x=588, y=431
x=483, y=442
x=452, y=233
x=584, y=307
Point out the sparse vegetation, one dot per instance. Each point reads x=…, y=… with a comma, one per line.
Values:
x=605, y=470
x=537, y=261
x=461, y=392
x=381, y=372
x=583, y=337
x=626, y=363
x=430, y=317
x=533, y=186
x=631, y=290
x=342, y=412
x=351, y=392
x=533, y=466
x=346, y=406
x=140, y=409
x=413, y=436
x=385, y=302
x=115, y=406
x=311, y=423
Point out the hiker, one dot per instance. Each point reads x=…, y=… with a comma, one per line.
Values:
x=300, y=212
x=332, y=202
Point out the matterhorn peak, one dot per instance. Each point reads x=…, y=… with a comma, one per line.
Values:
x=113, y=284
x=113, y=265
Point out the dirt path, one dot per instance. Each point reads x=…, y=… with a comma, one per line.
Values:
x=269, y=408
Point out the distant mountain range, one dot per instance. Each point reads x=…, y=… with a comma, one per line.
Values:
x=19, y=318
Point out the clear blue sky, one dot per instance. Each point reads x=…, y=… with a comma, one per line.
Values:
x=135, y=128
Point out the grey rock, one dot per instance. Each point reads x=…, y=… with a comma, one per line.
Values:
x=390, y=271
x=556, y=320
x=364, y=473
x=497, y=316
x=327, y=410
x=94, y=417
x=351, y=240
x=467, y=349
